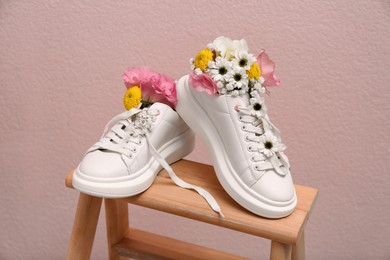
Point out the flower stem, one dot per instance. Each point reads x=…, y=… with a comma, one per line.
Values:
x=145, y=104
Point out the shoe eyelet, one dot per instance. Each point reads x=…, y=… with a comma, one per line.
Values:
x=257, y=168
x=250, y=149
x=243, y=127
x=247, y=138
x=252, y=159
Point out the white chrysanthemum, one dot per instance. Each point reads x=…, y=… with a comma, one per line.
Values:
x=222, y=89
x=256, y=85
x=235, y=93
x=226, y=47
x=238, y=45
x=257, y=107
x=262, y=90
x=192, y=64
x=261, y=80
x=220, y=69
x=243, y=59
x=220, y=84
x=269, y=144
x=238, y=78
x=210, y=66
x=229, y=86
x=198, y=71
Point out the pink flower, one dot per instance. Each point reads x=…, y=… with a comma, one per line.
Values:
x=133, y=76
x=267, y=67
x=160, y=89
x=155, y=87
x=203, y=82
x=168, y=88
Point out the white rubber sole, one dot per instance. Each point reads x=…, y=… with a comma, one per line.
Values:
x=138, y=182
x=195, y=117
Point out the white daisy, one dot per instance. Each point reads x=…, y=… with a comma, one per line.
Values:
x=243, y=59
x=257, y=107
x=238, y=78
x=220, y=69
x=269, y=144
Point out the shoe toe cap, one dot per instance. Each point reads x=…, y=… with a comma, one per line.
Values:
x=103, y=164
x=275, y=187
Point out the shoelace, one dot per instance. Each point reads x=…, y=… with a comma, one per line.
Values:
x=259, y=126
x=126, y=134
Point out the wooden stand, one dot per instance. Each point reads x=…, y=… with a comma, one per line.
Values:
x=286, y=234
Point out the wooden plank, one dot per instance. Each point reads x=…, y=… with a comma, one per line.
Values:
x=84, y=227
x=144, y=245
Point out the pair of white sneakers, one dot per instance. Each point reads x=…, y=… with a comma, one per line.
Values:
x=245, y=146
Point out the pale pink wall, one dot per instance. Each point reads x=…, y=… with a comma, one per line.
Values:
x=60, y=76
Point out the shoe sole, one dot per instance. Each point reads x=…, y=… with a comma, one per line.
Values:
x=197, y=119
x=137, y=182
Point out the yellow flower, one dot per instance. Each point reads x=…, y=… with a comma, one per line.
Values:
x=203, y=58
x=254, y=71
x=132, y=97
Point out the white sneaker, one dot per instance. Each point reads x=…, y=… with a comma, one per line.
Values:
x=132, y=150
x=245, y=147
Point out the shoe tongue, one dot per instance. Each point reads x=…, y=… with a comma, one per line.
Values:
x=243, y=99
x=159, y=106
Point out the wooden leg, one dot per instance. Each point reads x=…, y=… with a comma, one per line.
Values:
x=280, y=251
x=84, y=227
x=117, y=223
x=298, y=251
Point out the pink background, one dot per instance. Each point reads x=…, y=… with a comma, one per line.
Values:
x=60, y=76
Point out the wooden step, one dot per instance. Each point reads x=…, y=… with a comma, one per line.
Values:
x=165, y=196
x=144, y=245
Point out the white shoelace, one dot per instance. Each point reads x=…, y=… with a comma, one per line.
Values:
x=257, y=126
x=126, y=134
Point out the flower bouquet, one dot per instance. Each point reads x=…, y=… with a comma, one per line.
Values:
x=226, y=67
